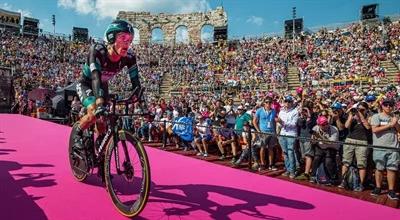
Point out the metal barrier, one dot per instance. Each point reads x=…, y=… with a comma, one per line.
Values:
x=299, y=138
x=250, y=132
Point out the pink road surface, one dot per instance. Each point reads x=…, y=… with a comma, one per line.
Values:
x=36, y=183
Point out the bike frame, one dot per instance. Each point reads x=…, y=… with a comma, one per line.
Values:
x=112, y=132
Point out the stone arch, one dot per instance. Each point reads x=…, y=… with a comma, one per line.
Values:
x=136, y=38
x=168, y=23
x=157, y=35
x=207, y=32
x=182, y=34
x=137, y=27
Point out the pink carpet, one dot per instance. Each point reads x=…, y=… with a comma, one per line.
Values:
x=36, y=183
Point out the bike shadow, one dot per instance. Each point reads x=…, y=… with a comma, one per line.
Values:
x=18, y=203
x=191, y=198
x=6, y=151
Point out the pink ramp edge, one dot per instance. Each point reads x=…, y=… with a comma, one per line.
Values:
x=36, y=183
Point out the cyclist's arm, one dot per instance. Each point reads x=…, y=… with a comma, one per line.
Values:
x=96, y=83
x=133, y=73
x=96, y=53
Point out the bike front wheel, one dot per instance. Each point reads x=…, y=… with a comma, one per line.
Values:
x=127, y=174
x=77, y=159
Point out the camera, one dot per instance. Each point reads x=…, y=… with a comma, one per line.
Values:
x=353, y=110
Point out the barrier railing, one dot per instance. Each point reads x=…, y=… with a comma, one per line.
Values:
x=250, y=132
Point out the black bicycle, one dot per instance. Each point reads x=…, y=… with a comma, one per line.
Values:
x=119, y=157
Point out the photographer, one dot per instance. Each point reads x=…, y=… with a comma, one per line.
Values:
x=338, y=119
x=359, y=130
x=325, y=152
x=306, y=122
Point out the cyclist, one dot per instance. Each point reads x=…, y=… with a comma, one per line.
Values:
x=103, y=62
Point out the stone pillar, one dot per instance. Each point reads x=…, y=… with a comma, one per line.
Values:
x=145, y=35
x=194, y=33
x=169, y=33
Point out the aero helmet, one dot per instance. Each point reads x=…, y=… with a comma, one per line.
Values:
x=116, y=27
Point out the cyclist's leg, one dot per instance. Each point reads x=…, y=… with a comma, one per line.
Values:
x=85, y=93
x=100, y=123
x=88, y=100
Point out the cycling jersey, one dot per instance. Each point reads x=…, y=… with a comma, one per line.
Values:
x=92, y=86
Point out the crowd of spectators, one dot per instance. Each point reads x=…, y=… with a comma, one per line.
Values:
x=314, y=114
x=296, y=124
x=350, y=54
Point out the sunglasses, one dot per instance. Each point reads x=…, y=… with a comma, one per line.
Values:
x=388, y=104
x=124, y=38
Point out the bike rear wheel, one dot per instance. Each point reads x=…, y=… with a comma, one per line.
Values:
x=77, y=160
x=127, y=174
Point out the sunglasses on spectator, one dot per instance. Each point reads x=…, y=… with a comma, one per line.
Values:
x=388, y=104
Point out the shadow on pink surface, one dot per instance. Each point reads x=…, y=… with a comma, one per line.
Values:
x=191, y=198
x=14, y=200
x=194, y=197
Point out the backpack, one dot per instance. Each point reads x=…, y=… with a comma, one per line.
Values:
x=321, y=176
x=351, y=178
x=257, y=143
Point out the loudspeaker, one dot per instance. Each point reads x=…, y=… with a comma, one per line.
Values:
x=6, y=94
x=221, y=33
x=298, y=23
x=369, y=11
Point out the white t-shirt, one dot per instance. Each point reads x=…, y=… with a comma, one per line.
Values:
x=289, y=118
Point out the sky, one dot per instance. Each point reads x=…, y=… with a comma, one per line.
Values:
x=245, y=17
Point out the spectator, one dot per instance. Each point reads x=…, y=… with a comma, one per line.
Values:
x=307, y=121
x=204, y=136
x=264, y=121
x=325, y=152
x=287, y=118
x=226, y=137
x=245, y=146
x=385, y=127
x=241, y=119
x=230, y=114
x=359, y=130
